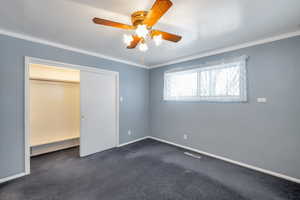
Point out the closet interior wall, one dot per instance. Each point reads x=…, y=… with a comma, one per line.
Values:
x=54, y=108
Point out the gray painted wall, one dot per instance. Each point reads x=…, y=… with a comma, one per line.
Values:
x=263, y=135
x=134, y=87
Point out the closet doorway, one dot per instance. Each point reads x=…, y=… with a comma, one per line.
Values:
x=69, y=105
x=54, y=107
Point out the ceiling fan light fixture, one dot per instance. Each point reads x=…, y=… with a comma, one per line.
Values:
x=142, y=31
x=157, y=39
x=143, y=47
x=127, y=39
x=141, y=23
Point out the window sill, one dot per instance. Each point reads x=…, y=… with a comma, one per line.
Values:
x=206, y=100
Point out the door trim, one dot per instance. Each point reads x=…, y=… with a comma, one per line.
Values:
x=32, y=60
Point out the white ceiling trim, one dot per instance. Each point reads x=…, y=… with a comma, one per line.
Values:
x=185, y=59
x=228, y=49
x=66, y=47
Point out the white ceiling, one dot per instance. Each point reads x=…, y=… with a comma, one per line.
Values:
x=205, y=25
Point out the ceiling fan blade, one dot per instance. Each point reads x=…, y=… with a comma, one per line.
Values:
x=159, y=8
x=134, y=43
x=166, y=36
x=106, y=22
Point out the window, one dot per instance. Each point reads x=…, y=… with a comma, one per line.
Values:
x=224, y=82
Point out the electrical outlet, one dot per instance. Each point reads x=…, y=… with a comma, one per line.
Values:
x=129, y=132
x=185, y=136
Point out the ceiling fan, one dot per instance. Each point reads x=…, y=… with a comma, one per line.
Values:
x=142, y=23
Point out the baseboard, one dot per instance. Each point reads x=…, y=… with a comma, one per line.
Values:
x=133, y=141
x=2, y=180
x=279, y=175
x=54, y=146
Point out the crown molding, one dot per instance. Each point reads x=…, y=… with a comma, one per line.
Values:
x=228, y=49
x=185, y=59
x=69, y=48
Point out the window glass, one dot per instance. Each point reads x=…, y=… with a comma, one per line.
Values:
x=223, y=82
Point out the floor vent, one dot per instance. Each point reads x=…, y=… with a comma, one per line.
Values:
x=193, y=155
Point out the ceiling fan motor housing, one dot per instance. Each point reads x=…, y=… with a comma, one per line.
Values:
x=138, y=17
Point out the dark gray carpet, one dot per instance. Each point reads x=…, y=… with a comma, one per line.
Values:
x=143, y=171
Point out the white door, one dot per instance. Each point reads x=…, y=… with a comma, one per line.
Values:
x=98, y=104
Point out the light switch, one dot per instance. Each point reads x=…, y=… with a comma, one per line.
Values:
x=262, y=100
x=121, y=99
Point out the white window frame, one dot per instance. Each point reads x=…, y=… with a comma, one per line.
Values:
x=211, y=66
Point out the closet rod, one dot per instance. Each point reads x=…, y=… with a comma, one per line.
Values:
x=54, y=80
